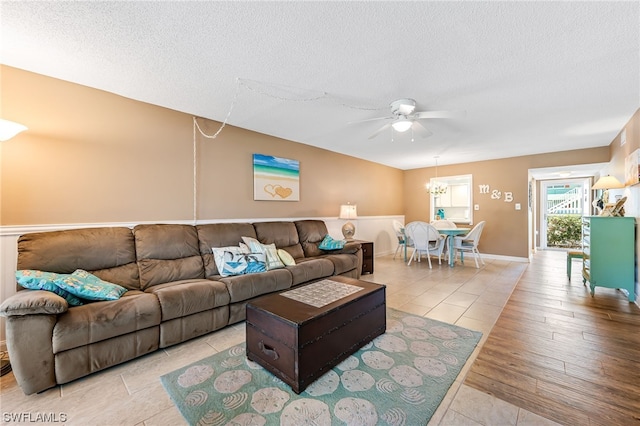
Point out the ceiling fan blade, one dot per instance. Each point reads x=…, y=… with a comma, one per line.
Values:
x=380, y=130
x=370, y=119
x=420, y=130
x=440, y=114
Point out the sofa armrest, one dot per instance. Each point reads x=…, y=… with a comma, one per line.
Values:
x=350, y=247
x=33, y=302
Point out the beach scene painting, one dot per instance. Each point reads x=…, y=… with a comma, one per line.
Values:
x=275, y=178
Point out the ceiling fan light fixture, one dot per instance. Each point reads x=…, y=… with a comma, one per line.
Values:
x=404, y=117
x=403, y=106
x=402, y=124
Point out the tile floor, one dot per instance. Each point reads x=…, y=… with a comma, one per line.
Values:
x=131, y=393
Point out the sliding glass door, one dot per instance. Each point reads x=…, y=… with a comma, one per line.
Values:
x=564, y=202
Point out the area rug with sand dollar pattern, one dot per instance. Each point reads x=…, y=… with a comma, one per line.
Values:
x=399, y=378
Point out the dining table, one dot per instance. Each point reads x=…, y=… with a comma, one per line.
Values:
x=449, y=233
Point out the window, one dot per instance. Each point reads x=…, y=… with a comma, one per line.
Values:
x=456, y=204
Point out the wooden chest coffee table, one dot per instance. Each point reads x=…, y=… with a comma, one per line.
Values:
x=300, y=334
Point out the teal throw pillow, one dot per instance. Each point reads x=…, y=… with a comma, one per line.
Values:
x=330, y=244
x=41, y=280
x=234, y=261
x=87, y=286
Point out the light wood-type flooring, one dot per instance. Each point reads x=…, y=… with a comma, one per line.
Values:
x=558, y=352
x=131, y=393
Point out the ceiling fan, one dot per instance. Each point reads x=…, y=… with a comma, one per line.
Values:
x=404, y=117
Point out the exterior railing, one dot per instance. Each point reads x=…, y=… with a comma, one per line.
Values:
x=569, y=202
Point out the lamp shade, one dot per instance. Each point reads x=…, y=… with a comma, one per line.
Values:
x=607, y=182
x=437, y=188
x=348, y=211
x=9, y=129
x=401, y=124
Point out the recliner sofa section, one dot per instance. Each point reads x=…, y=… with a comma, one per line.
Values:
x=175, y=292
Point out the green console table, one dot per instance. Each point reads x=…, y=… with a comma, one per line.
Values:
x=608, y=245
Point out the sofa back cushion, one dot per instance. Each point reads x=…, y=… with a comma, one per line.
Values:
x=108, y=253
x=283, y=234
x=311, y=234
x=167, y=253
x=220, y=235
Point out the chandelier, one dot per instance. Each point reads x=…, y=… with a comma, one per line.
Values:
x=435, y=187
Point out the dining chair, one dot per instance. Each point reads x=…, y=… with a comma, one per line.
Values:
x=398, y=227
x=469, y=243
x=426, y=240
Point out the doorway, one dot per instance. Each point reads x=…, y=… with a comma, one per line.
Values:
x=563, y=203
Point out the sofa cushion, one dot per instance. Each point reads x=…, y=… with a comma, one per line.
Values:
x=220, y=235
x=94, y=322
x=283, y=234
x=311, y=269
x=42, y=280
x=184, y=328
x=87, y=286
x=83, y=360
x=108, y=253
x=311, y=233
x=344, y=262
x=167, y=253
x=186, y=297
x=244, y=287
x=121, y=275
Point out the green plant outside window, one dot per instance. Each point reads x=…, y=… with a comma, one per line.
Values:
x=564, y=231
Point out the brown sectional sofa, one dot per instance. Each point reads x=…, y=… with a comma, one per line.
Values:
x=175, y=292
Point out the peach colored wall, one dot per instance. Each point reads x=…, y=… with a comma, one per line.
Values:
x=91, y=156
x=506, y=231
x=327, y=179
x=616, y=165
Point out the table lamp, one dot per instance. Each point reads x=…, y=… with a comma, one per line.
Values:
x=347, y=212
x=607, y=182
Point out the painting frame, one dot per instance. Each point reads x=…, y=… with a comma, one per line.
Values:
x=275, y=178
x=632, y=168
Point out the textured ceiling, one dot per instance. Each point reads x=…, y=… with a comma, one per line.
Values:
x=532, y=76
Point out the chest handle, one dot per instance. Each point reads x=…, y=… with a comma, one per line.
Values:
x=269, y=351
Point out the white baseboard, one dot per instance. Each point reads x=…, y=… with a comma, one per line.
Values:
x=484, y=256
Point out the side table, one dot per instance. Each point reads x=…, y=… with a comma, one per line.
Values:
x=367, y=256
